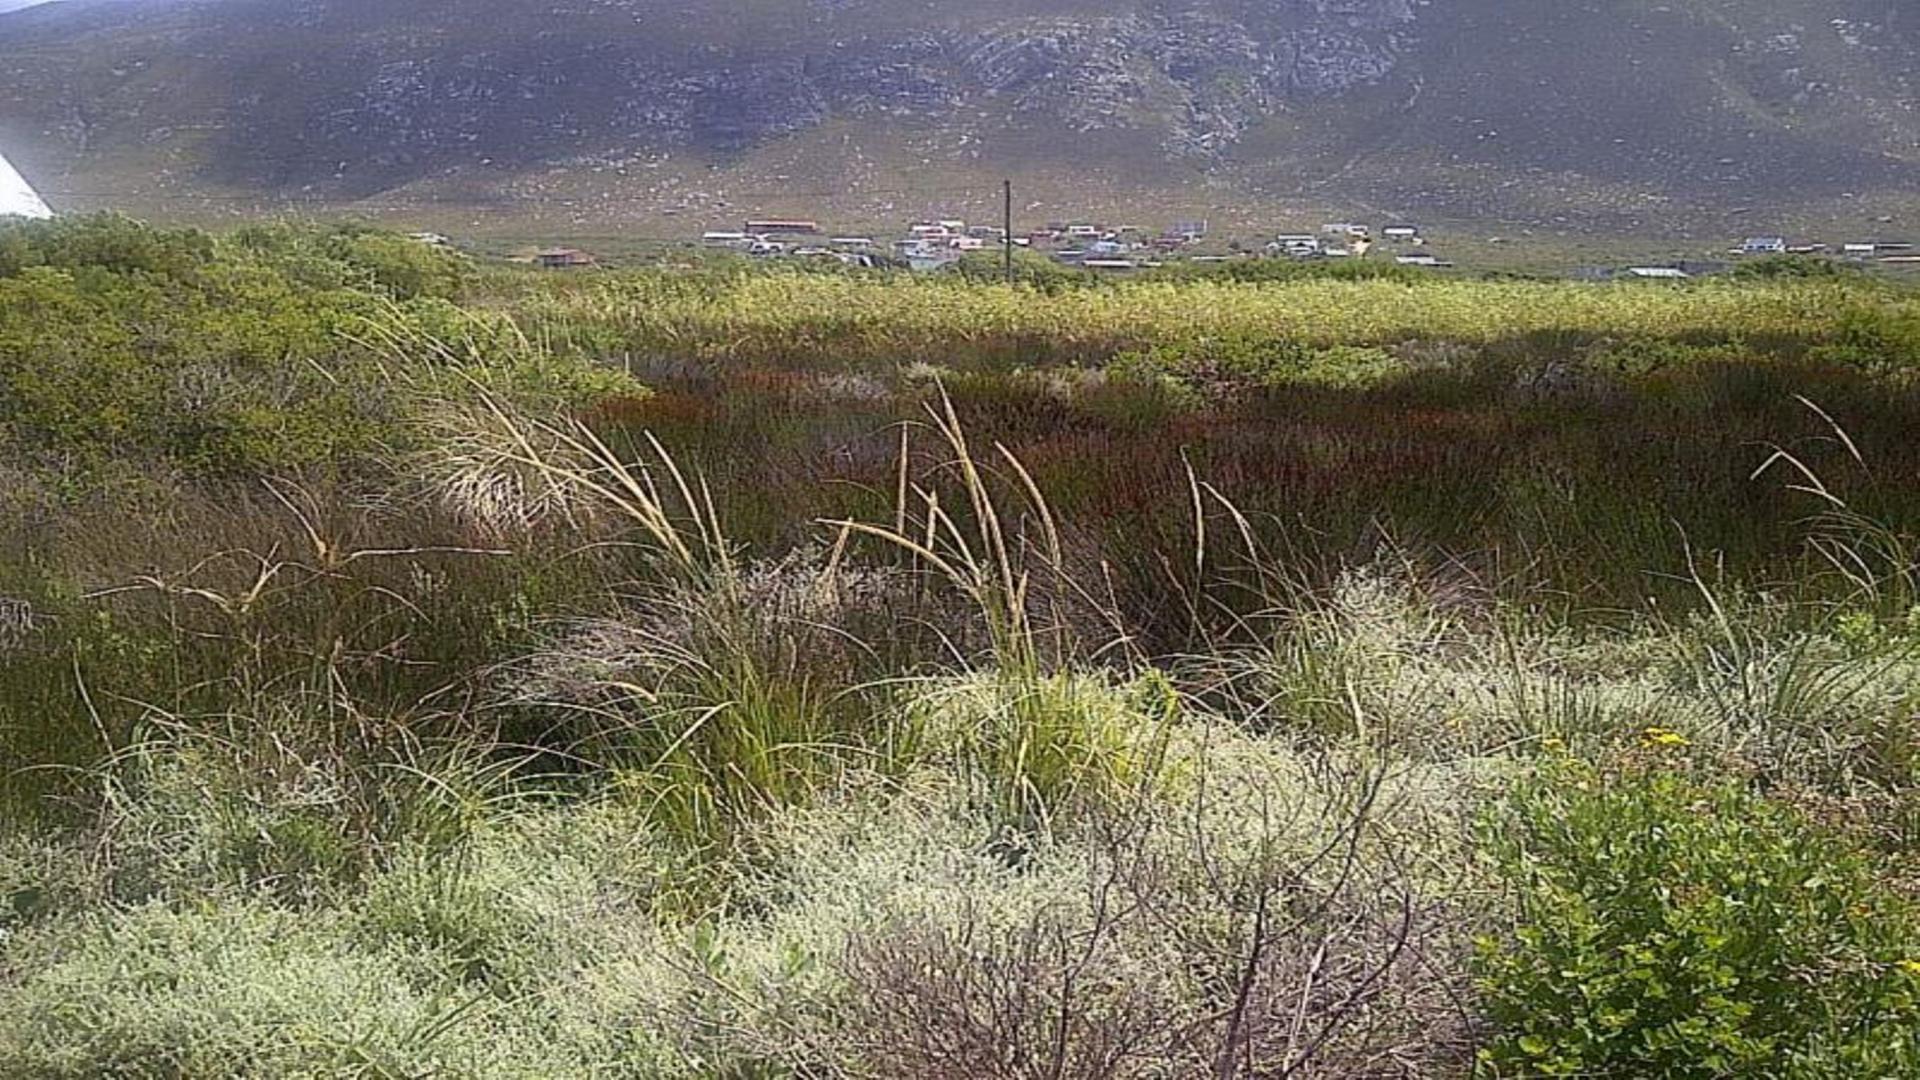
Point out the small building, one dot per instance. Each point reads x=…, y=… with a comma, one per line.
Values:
x=1192, y=231
x=431, y=239
x=719, y=239
x=851, y=243
x=1429, y=261
x=927, y=259
x=1657, y=273
x=1401, y=234
x=1859, y=250
x=1764, y=245
x=783, y=227
x=1110, y=265
x=565, y=259
x=1296, y=245
x=1083, y=232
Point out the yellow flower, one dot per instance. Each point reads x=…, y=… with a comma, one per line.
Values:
x=1552, y=745
x=1911, y=967
x=1665, y=738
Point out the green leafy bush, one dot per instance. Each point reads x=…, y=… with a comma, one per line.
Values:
x=1679, y=928
x=277, y=348
x=1283, y=270
x=1242, y=360
x=1770, y=267
x=106, y=242
x=1029, y=268
x=348, y=256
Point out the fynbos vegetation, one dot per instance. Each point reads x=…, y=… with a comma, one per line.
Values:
x=413, y=667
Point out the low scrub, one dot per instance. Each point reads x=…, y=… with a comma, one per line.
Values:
x=413, y=667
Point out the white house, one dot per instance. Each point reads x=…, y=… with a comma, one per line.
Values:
x=1764, y=245
x=1401, y=232
x=928, y=255
x=17, y=197
x=1658, y=273
x=1298, y=245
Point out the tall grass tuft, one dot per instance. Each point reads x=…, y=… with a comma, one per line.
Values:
x=713, y=691
x=1045, y=736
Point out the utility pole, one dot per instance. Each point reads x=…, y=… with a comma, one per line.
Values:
x=1006, y=223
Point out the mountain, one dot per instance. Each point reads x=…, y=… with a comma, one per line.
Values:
x=1606, y=114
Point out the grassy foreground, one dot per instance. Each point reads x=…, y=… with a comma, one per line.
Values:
x=417, y=668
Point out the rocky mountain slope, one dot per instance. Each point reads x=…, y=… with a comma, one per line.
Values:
x=1598, y=109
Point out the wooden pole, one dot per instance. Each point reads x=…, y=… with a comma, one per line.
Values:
x=1006, y=224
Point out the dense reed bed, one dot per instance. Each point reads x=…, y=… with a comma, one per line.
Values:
x=840, y=320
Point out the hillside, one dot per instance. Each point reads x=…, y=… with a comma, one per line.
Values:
x=1602, y=113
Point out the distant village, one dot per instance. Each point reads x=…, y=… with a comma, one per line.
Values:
x=935, y=245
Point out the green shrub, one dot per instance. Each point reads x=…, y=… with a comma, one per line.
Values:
x=1674, y=927
x=1772, y=267
x=106, y=242
x=1029, y=268
x=1218, y=364
x=1258, y=271
x=277, y=349
x=1640, y=357
x=355, y=257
